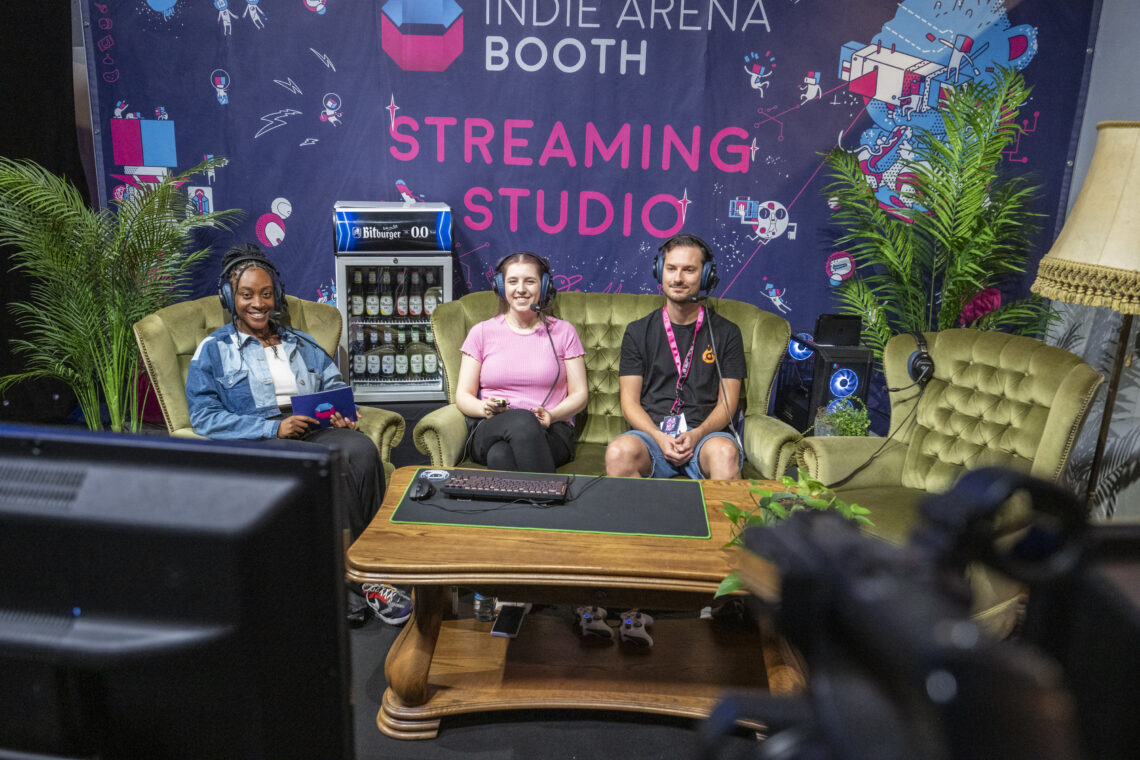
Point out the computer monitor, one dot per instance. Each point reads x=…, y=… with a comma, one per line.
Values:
x=165, y=598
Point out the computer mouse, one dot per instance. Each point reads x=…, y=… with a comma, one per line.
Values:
x=421, y=489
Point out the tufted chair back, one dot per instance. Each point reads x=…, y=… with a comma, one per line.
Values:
x=169, y=337
x=994, y=399
x=601, y=319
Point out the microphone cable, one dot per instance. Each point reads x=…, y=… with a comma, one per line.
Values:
x=557, y=364
x=719, y=374
x=911, y=416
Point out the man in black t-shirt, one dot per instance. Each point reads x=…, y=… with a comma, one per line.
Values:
x=674, y=396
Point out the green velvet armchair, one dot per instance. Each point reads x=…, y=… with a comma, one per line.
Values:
x=994, y=400
x=600, y=319
x=168, y=338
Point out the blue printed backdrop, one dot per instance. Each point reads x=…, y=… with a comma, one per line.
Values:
x=586, y=130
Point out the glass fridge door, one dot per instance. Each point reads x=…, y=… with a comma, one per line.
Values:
x=388, y=342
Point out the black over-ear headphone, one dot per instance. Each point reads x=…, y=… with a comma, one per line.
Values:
x=546, y=284
x=709, y=280
x=241, y=254
x=920, y=365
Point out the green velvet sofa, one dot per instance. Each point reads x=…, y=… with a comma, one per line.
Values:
x=601, y=319
x=168, y=338
x=994, y=400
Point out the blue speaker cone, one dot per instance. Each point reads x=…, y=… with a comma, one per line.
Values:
x=844, y=382
x=839, y=403
x=797, y=350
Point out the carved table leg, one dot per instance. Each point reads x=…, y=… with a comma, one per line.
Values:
x=409, y=660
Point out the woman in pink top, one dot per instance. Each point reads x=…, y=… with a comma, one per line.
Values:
x=523, y=374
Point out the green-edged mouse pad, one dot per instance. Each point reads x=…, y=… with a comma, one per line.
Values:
x=594, y=504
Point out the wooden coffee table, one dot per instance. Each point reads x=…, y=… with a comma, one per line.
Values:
x=440, y=665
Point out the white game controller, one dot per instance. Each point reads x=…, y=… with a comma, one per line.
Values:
x=592, y=622
x=632, y=628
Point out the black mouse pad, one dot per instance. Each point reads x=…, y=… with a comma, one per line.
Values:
x=594, y=504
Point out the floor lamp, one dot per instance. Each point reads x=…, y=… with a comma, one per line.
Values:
x=1096, y=258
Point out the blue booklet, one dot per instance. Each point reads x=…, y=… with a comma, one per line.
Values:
x=322, y=406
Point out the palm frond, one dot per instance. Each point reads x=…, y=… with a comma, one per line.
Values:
x=969, y=230
x=92, y=275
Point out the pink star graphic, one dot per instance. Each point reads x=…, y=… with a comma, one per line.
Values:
x=684, y=204
x=391, y=108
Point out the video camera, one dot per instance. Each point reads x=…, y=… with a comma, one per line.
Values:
x=897, y=670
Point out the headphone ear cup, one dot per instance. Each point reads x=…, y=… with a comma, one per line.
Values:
x=709, y=280
x=545, y=290
x=658, y=267
x=920, y=366
x=226, y=296
x=499, y=285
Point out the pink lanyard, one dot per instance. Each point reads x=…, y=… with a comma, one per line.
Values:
x=682, y=369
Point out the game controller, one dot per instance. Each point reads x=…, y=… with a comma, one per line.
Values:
x=592, y=622
x=632, y=628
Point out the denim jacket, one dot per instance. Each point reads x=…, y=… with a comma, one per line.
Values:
x=229, y=388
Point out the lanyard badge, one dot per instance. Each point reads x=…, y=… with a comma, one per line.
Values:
x=682, y=367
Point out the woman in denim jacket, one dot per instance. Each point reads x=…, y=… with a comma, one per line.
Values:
x=242, y=376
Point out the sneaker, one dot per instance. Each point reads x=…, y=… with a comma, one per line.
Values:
x=388, y=603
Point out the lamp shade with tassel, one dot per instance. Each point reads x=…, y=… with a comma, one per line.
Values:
x=1095, y=261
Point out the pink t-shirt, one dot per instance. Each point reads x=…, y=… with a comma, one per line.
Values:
x=521, y=368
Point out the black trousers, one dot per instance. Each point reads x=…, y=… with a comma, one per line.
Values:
x=516, y=440
x=362, y=485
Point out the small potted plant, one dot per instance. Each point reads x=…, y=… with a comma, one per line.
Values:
x=844, y=416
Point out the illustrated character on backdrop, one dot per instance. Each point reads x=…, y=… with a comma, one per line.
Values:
x=255, y=13
x=679, y=376
x=977, y=50
x=200, y=201
x=120, y=107
x=331, y=103
x=317, y=6
x=756, y=76
x=220, y=79
x=776, y=296
x=271, y=225
x=406, y=193
x=225, y=16
x=811, y=88
x=772, y=221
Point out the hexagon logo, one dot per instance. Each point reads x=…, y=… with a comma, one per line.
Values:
x=422, y=35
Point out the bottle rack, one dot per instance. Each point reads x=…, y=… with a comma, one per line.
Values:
x=388, y=385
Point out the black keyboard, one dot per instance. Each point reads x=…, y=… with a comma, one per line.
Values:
x=548, y=489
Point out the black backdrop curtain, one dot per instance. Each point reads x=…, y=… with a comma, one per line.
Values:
x=38, y=100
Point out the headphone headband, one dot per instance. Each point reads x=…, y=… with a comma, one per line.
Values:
x=709, y=279
x=546, y=290
x=249, y=253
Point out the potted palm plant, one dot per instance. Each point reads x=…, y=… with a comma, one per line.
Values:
x=942, y=263
x=93, y=273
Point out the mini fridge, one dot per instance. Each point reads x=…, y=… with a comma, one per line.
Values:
x=393, y=268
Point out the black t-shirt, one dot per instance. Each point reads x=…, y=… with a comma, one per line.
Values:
x=645, y=352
